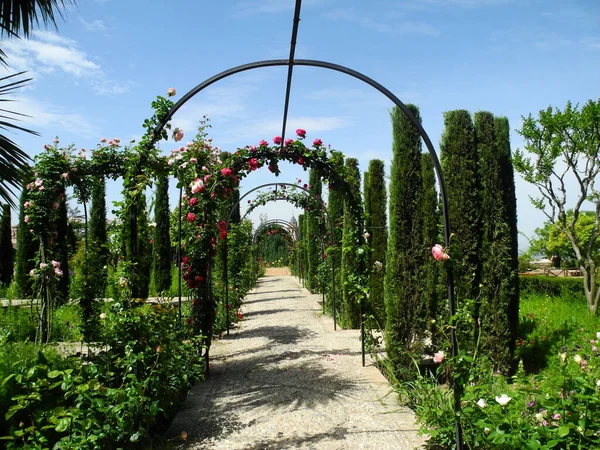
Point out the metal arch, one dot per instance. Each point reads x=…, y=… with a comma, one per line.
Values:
x=412, y=119
x=285, y=224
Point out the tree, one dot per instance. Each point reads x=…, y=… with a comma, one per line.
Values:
x=459, y=160
x=161, y=239
x=376, y=226
x=6, y=248
x=497, y=308
x=352, y=253
x=404, y=259
x=60, y=248
x=313, y=248
x=27, y=245
x=335, y=215
x=563, y=147
x=17, y=18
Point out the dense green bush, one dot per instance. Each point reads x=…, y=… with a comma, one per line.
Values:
x=118, y=398
x=551, y=286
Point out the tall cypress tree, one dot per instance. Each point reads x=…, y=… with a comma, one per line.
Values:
x=162, y=238
x=459, y=163
x=375, y=207
x=335, y=215
x=27, y=245
x=351, y=244
x=498, y=293
x=6, y=248
x=301, y=247
x=433, y=289
x=314, y=234
x=403, y=284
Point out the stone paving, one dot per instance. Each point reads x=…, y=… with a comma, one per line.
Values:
x=284, y=379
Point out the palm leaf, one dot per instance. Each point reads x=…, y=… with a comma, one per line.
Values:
x=14, y=166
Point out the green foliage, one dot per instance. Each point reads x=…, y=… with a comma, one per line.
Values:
x=98, y=236
x=497, y=308
x=551, y=286
x=354, y=255
x=314, y=233
x=6, y=248
x=434, y=293
x=405, y=254
x=161, y=246
x=58, y=244
x=112, y=401
x=376, y=226
x=27, y=245
x=460, y=165
x=561, y=148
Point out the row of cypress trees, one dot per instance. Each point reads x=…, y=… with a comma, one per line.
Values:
x=407, y=287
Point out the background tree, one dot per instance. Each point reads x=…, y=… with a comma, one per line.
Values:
x=352, y=253
x=497, y=308
x=403, y=284
x=313, y=249
x=375, y=213
x=563, y=147
x=460, y=165
x=6, y=248
x=161, y=240
x=335, y=215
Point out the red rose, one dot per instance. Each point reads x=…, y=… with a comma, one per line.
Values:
x=317, y=143
x=192, y=201
x=277, y=140
x=301, y=161
x=301, y=133
x=191, y=217
x=288, y=142
x=263, y=143
x=253, y=164
x=226, y=172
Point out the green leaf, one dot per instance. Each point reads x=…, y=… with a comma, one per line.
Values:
x=63, y=424
x=54, y=373
x=563, y=431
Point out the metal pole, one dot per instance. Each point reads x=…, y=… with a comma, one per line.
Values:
x=362, y=333
x=226, y=279
x=333, y=291
x=179, y=259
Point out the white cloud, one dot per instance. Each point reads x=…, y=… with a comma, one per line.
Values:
x=94, y=25
x=51, y=53
x=250, y=7
x=45, y=115
x=397, y=26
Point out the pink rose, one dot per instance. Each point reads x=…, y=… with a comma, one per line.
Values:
x=438, y=357
x=55, y=263
x=263, y=143
x=103, y=140
x=65, y=176
x=438, y=253
x=58, y=272
x=171, y=92
x=177, y=134
x=226, y=171
x=47, y=147
x=193, y=201
x=191, y=217
x=26, y=219
x=253, y=164
x=197, y=186
x=26, y=205
x=38, y=182
x=301, y=133
x=317, y=143
x=288, y=142
x=193, y=160
x=54, y=206
x=56, y=141
x=277, y=140
x=207, y=177
x=252, y=148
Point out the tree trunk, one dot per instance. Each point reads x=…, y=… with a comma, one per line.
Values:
x=590, y=287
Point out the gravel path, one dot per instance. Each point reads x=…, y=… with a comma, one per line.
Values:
x=284, y=379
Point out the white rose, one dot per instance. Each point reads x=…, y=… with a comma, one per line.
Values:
x=481, y=403
x=503, y=400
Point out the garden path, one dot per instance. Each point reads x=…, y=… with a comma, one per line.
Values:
x=284, y=379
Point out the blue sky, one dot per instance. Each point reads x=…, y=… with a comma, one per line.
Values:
x=97, y=75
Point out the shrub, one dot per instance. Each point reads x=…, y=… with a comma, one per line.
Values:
x=551, y=286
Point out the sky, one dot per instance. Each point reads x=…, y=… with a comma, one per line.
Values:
x=98, y=73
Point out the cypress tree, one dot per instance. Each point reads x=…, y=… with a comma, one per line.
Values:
x=433, y=288
x=351, y=259
x=6, y=248
x=313, y=248
x=403, y=284
x=459, y=162
x=375, y=208
x=498, y=293
x=98, y=236
x=335, y=215
x=27, y=245
x=301, y=247
x=367, y=201
x=162, y=238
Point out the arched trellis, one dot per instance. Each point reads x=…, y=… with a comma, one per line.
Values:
x=285, y=224
x=332, y=231
x=382, y=89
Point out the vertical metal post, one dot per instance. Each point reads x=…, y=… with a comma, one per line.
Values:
x=333, y=291
x=362, y=333
x=226, y=280
x=179, y=259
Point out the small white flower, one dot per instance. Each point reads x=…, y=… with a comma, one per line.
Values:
x=103, y=316
x=486, y=431
x=598, y=383
x=539, y=417
x=481, y=403
x=577, y=359
x=598, y=335
x=563, y=357
x=503, y=400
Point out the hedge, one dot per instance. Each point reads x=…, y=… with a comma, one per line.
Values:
x=552, y=286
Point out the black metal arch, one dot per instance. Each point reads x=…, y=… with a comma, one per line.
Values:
x=285, y=224
x=290, y=63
